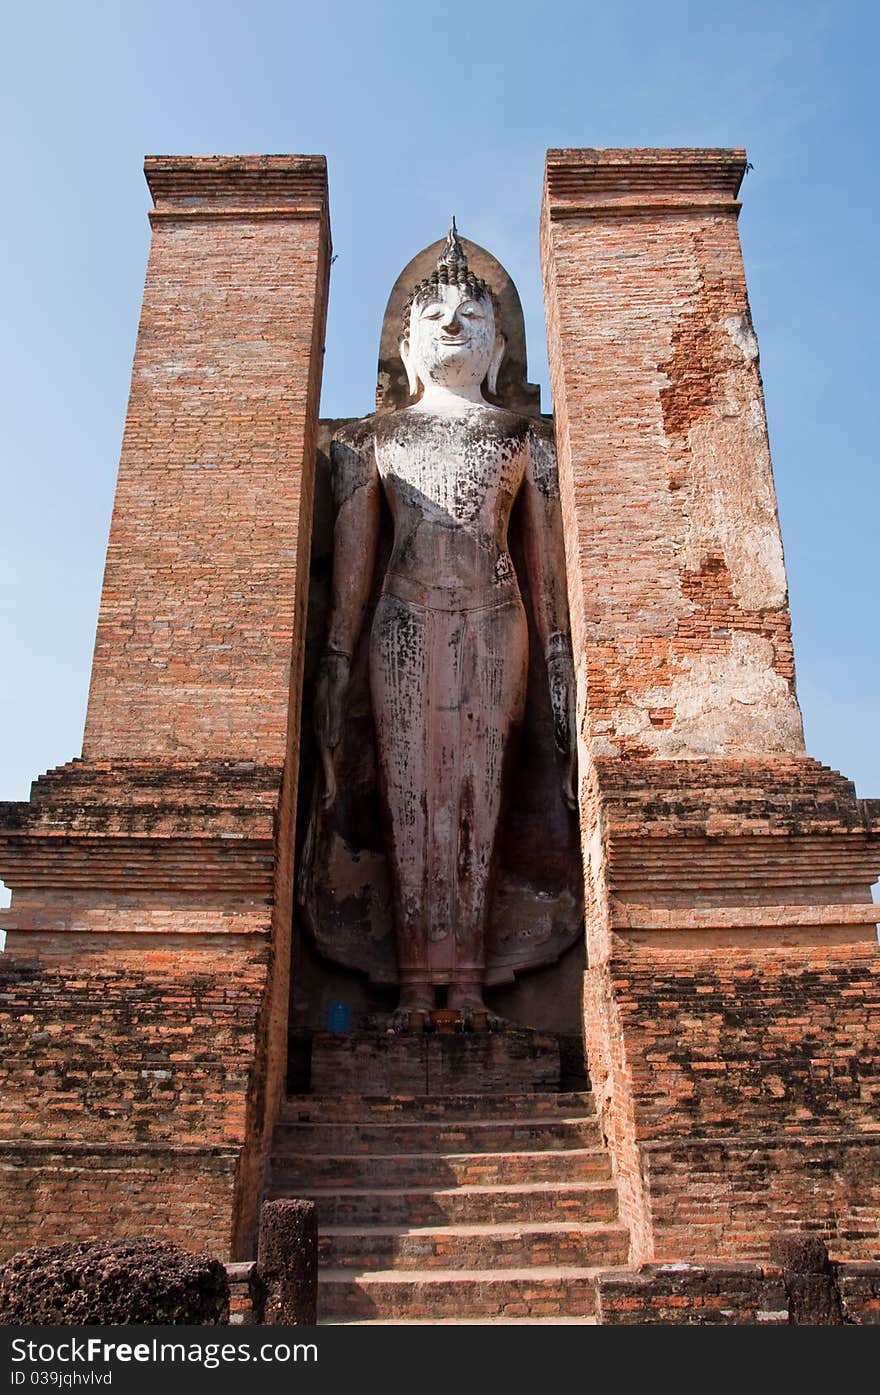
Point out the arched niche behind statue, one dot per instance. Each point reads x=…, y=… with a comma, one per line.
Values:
x=535, y=939
x=513, y=390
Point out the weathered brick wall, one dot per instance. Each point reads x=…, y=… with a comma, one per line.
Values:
x=130, y=1041
x=730, y=1294
x=147, y=964
x=744, y=1042
x=713, y=1197
x=740, y=1094
x=676, y=579
x=732, y=1004
x=186, y=829
x=139, y=991
x=53, y=1193
x=664, y=798
x=134, y=1022
x=859, y=1286
x=205, y=583
x=731, y=1000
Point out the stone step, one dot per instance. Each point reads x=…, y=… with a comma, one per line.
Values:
x=408, y=1108
x=437, y=1171
x=473, y=1247
x=426, y=1295
x=461, y=1322
x=435, y=1136
x=531, y=1201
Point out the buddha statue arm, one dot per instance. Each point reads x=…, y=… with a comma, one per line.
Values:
x=356, y=494
x=545, y=563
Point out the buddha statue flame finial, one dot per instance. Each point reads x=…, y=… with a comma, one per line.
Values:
x=453, y=254
x=451, y=270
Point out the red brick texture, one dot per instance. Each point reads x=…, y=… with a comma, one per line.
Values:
x=859, y=1286
x=731, y=1003
x=742, y=1090
x=204, y=587
x=730, y=1294
x=693, y=1295
x=59, y=1192
x=138, y=997
x=676, y=580
x=143, y=1001
x=147, y=1042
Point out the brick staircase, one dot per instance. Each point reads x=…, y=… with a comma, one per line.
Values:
x=453, y=1207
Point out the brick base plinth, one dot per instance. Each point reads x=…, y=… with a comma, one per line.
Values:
x=144, y=992
x=732, y=996
x=422, y=1063
x=726, y=1294
x=142, y=1009
x=693, y=1295
x=57, y=1192
x=732, y=1004
x=724, y=1196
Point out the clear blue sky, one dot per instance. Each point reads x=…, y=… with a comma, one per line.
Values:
x=422, y=110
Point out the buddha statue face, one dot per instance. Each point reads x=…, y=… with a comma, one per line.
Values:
x=452, y=341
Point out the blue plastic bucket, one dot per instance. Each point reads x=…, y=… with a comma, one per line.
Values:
x=339, y=1017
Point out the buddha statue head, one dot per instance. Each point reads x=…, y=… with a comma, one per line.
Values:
x=450, y=339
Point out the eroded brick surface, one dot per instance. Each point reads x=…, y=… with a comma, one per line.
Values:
x=676, y=579
x=145, y=982
x=207, y=565
x=57, y=1191
x=731, y=999
x=694, y=1295
x=758, y=1294
x=146, y=1043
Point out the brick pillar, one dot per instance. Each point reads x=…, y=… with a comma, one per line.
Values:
x=204, y=588
x=729, y=915
x=678, y=585
x=152, y=879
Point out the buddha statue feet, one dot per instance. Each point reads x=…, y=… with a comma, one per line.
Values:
x=474, y=1015
x=413, y=1012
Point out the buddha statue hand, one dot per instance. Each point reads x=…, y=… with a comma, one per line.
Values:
x=330, y=692
x=560, y=677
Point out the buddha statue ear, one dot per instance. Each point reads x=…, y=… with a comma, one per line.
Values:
x=495, y=363
x=412, y=376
